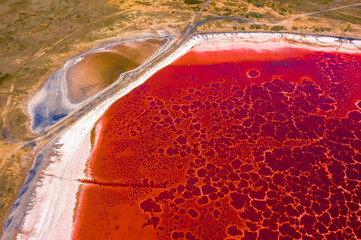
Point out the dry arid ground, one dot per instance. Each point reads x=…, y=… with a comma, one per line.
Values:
x=38, y=36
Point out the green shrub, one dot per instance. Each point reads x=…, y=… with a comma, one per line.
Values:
x=277, y=28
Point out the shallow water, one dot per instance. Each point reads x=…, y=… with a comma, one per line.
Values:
x=85, y=75
x=98, y=70
x=231, y=144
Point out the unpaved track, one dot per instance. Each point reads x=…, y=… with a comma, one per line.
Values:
x=317, y=12
x=8, y=101
x=44, y=50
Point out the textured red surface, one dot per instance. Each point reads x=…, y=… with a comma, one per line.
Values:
x=240, y=150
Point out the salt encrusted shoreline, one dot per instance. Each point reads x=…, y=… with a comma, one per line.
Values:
x=52, y=100
x=234, y=41
x=51, y=213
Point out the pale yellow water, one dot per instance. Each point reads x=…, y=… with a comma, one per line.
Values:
x=100, y=69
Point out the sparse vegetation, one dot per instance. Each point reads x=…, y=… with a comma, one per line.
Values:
x=254, y=26
x=192, y=1
x=254, y=15
x=278, y=28
x=11, y=173
x=4, y=77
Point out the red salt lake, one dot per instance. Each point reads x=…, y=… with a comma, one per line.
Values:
x=231, y=145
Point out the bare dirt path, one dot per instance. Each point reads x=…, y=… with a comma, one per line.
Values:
x=43, y=50
x=199, y=13
x=317, y=12
x=8, y=101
